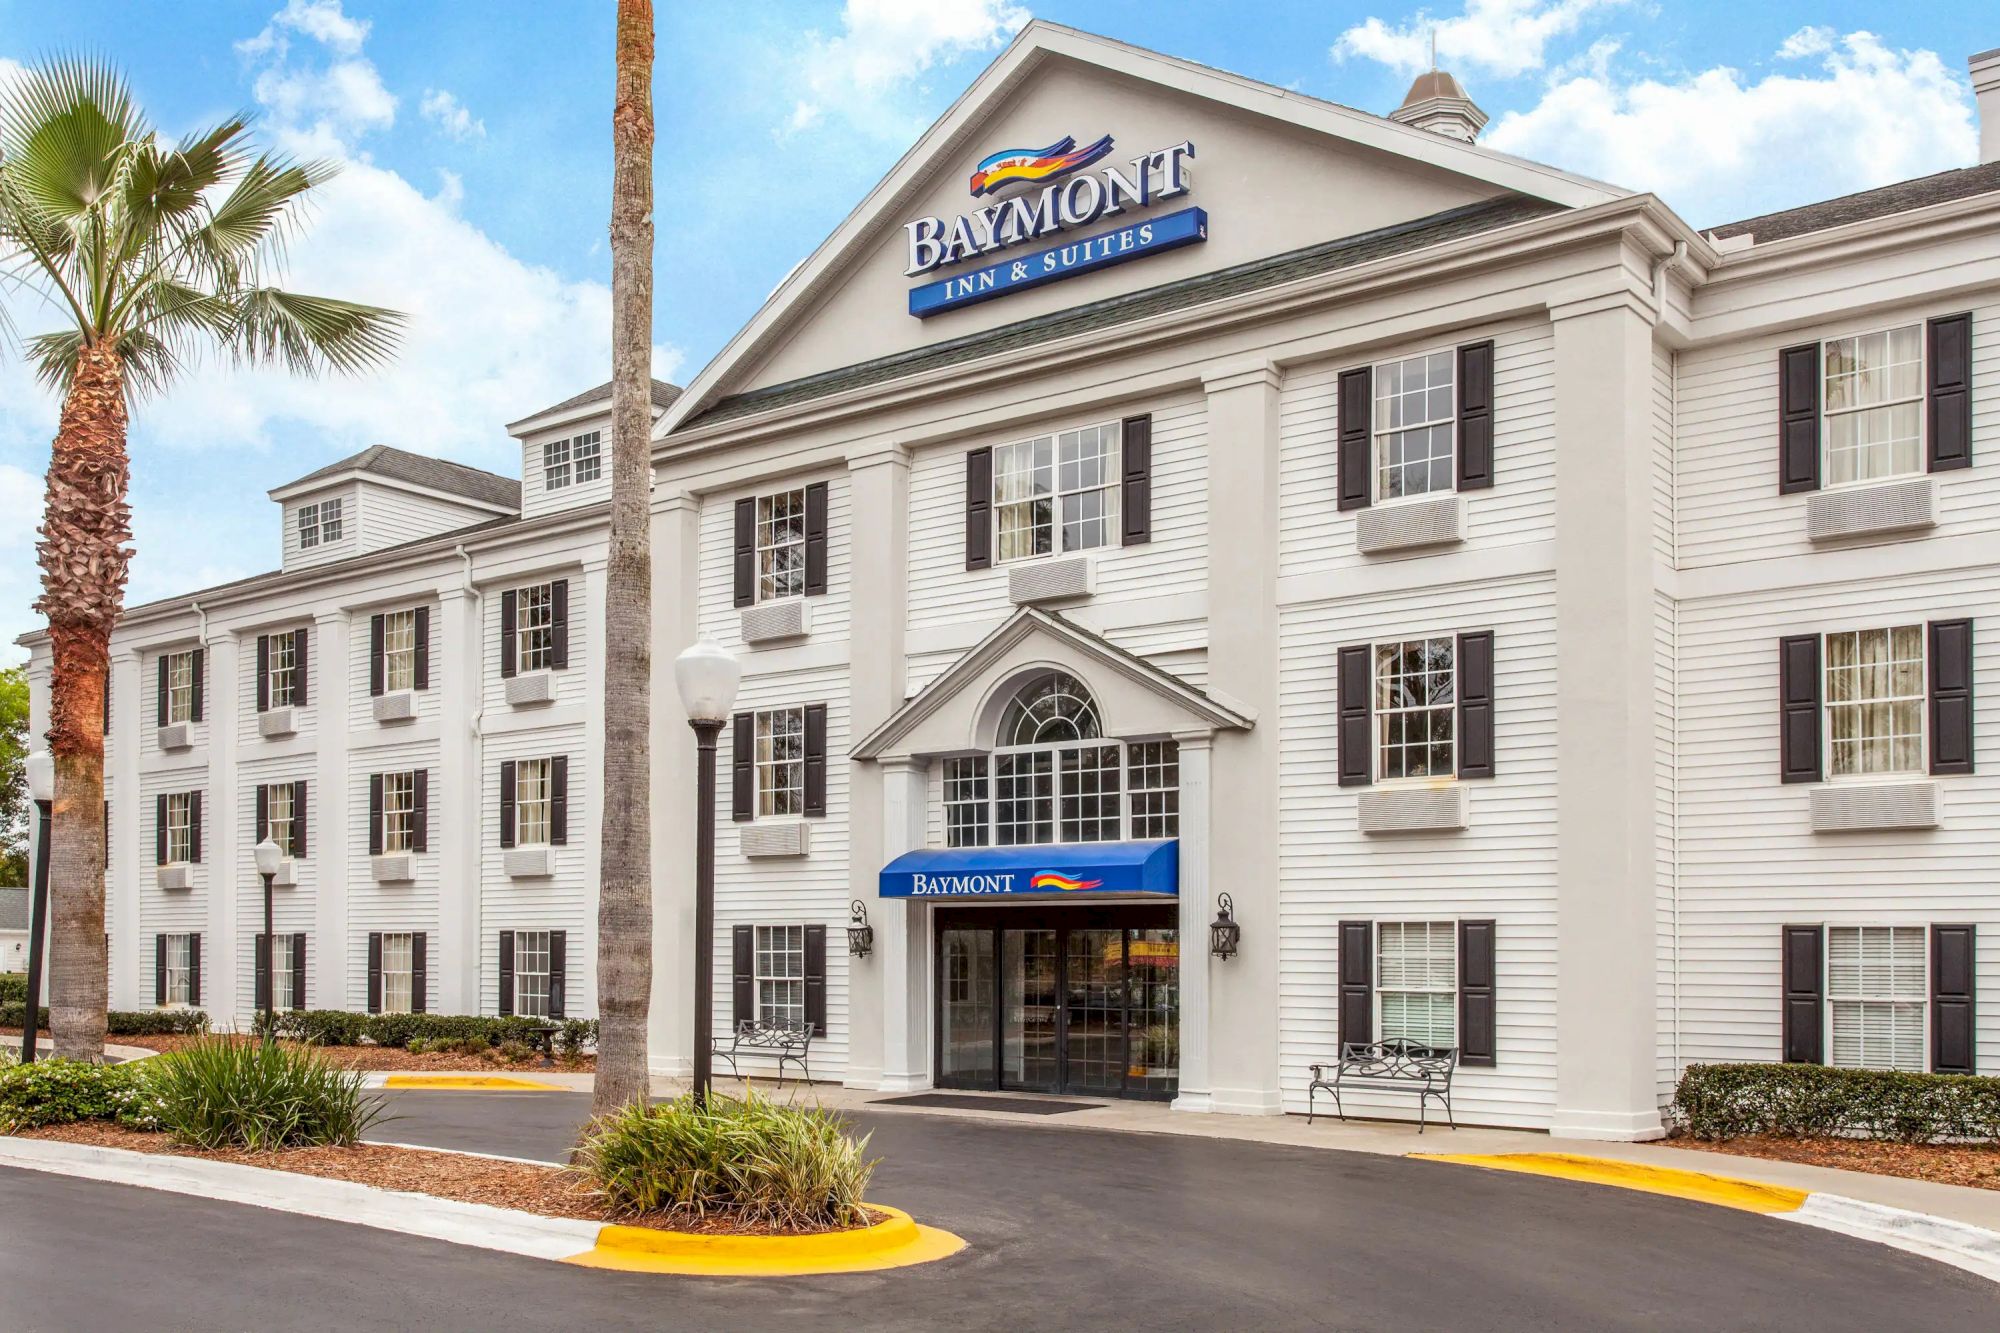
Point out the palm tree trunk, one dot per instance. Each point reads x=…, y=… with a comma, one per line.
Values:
x=625, y=879
x=83, y=551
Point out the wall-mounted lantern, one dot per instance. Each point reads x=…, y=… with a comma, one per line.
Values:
x=1223, y=932
x=860, y=935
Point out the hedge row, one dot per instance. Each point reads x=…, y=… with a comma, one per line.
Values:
x=343, y=1027
x=13, y=988
x=122, y=1022
x=1795, y=1100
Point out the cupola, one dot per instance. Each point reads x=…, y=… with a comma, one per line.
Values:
x=1437, y=102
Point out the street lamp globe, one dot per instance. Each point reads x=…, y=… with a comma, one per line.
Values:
x=41, y=776
x=707, y=675
x=268, y=858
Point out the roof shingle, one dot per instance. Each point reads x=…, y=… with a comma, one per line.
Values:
x=422, y=470
x=663, y=397
x=1942, y=188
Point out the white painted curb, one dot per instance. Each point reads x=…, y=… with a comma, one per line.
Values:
x=1974, y=1249
x=449, y=1220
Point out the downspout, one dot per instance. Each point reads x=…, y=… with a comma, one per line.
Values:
x=1657, y=279
x=203, y=616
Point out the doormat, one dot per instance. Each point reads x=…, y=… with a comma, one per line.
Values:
x=1017, y=1105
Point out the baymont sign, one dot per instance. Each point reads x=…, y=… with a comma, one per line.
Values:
x=935, y=886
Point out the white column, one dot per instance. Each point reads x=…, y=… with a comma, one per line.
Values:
x=223, y=836
x=592, y=763
x=1194, y=918
x=334, y=857
x=456, y=828
x=124, y=866
x=902, y=938
x=676, y=566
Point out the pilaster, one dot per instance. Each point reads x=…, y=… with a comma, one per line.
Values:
x=334, y=863
x=454, y=964
x=1195, y=836
x=592, y=763
x=124, y=886
x=676, y=570
x=902, y=937
x=225, y=840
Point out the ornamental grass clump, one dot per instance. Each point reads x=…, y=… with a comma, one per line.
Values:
x=788, y=1168
x=219, y=1093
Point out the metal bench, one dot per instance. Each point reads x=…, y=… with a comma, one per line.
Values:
x=755, y=1036
x=1396, y=1066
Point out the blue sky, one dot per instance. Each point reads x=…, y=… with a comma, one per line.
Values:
x=477, y=167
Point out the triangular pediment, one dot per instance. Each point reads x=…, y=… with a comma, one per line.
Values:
x=957, y=712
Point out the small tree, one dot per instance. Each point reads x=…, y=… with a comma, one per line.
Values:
x=14, y=803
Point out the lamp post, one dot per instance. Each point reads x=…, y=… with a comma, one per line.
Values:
x=266, y=854
x=707, y=676
x=41, y=767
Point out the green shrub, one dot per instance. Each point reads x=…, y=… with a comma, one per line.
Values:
x=57, y=1092
x=13, y=1011
x=13, y=988
x=156, y=1022
x=316, y=1027
x=577, y=1038
x=1731, y=1100
x=512, y=1053
x=239, y=1094
x=751, y=1159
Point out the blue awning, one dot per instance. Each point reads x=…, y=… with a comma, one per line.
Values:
x=1059, y=869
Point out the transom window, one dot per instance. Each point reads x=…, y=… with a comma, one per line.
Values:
x=1417, y=967
x=399, y=651
x=180, y=687
x=1876, y=987
x=399, y=812
x=781, y=974
x=532, y=803
x=279, y=824
x=1873, y=403
x=1875, y=701
x=534, y=628
x=319, y=523
x=1057, y=493
x=573, y=460
x=180, y=827
x=1415, y=708
x=781, y=545
x=1414, y=425
x=399, y=972
x=781, y=761
x=279, y=948
x=180, y=969
x=531, y=973
x=282, y=670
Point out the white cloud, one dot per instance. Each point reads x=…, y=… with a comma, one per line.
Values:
x=321, y=20
x=1808, y=41
x=1503, y=37
x=443, y=109
x=343, y=98
x=1719, y=146
x=882, y=47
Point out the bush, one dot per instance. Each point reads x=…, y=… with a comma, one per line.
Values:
x=1727, y=1101
x=753, y=1160
x=13, y=1011
x=449, y=1046
x=57, y=1092
x=316, y=1027
x=577, y=1038
x=156, y=1022
x=511, y=1053
x=13, y=988
x=236, y=1094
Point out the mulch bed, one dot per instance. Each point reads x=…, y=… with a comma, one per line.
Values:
x=551, y=1191
x=1974, y=1164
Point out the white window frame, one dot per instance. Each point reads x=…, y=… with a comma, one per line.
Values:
x=280, y=944
x=1140, y=762
x=1922, y=1003
x=586, y=450
x=768, y=767
x=399, y=982
x=522, y=1005
x=1376, y=962
x=180, y=686
x=769, y=546
x=1377, y=713
x=180, y=969
x=535, y=627
x=760, y=977
x=180, y=828
x=274, y=792
x=1826, y=417
x=330, y=524
x=968, y=785
x=555, y=465
x=534, y=802
x=399, y=650
x=1921, y=699
x=1378, y=434
x=399, y=812
x=309, y=526
x=282, y=667
x=1111, y=487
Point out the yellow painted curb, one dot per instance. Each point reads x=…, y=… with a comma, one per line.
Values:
x=465, y=1082
x=1750, y=1196
x=895, y=1243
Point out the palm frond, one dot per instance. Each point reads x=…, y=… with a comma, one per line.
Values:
x=53, y=355
x=247, y=219
x=310, y=334
x=63, y=128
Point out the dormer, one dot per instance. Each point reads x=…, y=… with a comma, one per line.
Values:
x=384, y=497
x=566, y=449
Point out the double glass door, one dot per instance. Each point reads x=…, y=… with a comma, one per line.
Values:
x=1079, y=1000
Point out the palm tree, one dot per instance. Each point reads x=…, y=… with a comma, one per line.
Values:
x=150, y=253
x=625, y=878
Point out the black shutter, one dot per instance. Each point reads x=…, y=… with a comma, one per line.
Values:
x=299, y=821
x=507, y=803
x=1804, y=994
x=374, y=971
x=742, y=776
x=159, y=969
x=160, y=696
x=816, y=979
x=1357, y=982
x=263, y=672
x=1952, y=999
x=423, y=656
x=558, y=971
x=559, y=623
x=979, y=509
x=1355, y=741
x=1951, y=696
x=420, y=810
x=506, y=973
x=374, y=814
x=1949, y=432
x=160, y=829
x=742, y=977
x=194, y=828
x=1475, y=704
x=262, y=823
x=1475, y=416
x=1356, y=405
x=420, y=973
x=815, y=759
x=1478, y=1019
x=1136, y=495
x=301, y=667
x=1798, y=419
x=194, y=970
x=200, y=671
x=1798, y=697
x=261, y=958
x=299, y=971
x=559, y=801
x=375, y=662
x=508, y=601
x=816, y=539
x=744, y=549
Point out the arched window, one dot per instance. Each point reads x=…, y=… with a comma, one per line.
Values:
x=1050, y=710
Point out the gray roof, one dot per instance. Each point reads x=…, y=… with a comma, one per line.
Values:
x=13, y=909
x=1901, y=197
x=1326, y=257
x=663, y=397
x=422, y=470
